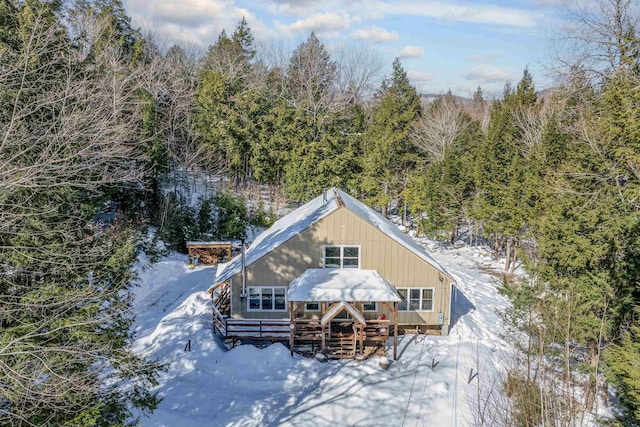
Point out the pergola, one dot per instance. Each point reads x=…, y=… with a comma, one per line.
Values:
x=342, y=288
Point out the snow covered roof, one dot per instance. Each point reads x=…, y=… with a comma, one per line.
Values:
x=308, y=214
x=341, y=284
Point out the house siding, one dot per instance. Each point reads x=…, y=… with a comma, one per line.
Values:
x=397, y=264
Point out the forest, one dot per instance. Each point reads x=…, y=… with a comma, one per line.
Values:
x=97, y=122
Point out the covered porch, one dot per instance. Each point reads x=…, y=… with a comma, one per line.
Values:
x=340, y=294
x=338, y=328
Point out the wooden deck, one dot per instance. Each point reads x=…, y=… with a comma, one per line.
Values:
x=345, y=343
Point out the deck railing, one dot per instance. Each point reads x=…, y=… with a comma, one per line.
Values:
x=258, y=329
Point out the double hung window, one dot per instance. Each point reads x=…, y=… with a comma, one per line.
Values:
x=342, y=256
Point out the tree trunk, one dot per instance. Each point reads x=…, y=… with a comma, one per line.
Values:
x=507, y=260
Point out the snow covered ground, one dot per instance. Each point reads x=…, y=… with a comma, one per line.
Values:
x=247, y=386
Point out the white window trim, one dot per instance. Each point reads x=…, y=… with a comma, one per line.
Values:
x=260, y=310
x=375, y=309
x=324, y=253
x=312, y=311
x=433, y=300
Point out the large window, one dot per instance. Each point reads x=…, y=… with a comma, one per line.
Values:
x=267, y=298
x=416, y=299
x=342, y=256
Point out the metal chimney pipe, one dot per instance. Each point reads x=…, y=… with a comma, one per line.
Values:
x=244, y=272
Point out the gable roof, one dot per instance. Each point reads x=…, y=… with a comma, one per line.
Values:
x=308, y=214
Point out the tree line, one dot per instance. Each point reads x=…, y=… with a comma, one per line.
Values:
x=97, y=125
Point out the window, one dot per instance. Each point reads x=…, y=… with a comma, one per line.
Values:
x=370, y=306
x=312, y=306
x=342, y=256
x=267, y=298
x=416, y=299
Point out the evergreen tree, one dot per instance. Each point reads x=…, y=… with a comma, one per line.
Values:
x=64, y=300
x=388, y=152
x=224, y=102
x=501, y=167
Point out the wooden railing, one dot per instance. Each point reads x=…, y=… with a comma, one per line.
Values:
x=377, y=330
x=307, y=330
x=219, y=322
x=303, y=329
x=257, y=329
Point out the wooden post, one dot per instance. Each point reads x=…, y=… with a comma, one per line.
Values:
x=395, y=331
x=291, y=328
x=324, y=339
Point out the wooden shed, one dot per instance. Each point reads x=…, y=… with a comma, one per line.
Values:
x=210, y=253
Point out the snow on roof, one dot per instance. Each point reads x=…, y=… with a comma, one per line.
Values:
x=308, y=214
x=204, y=243
x=280, y=232
x=341, y=284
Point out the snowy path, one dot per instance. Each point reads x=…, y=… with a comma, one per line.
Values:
x=247, y=386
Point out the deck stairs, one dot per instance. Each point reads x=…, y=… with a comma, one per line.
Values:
x=223, y=301
x=341, y=345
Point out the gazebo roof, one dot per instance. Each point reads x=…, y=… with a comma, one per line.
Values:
x=336, y=284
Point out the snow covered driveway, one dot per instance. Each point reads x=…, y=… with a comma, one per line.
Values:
x=247, y=386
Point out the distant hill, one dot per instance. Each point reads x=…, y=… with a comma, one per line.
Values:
x=428, y=98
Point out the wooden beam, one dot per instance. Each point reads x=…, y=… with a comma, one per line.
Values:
x=395, y=331
x=386, y=304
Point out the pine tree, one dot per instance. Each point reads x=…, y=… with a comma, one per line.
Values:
x=224, y=102
x=388, y=153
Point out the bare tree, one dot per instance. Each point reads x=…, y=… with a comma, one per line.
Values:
x=67, y=135
x=443, y=122
x=532, y=121
x=600, y=36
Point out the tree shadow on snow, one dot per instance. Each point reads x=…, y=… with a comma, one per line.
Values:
x=460, y=305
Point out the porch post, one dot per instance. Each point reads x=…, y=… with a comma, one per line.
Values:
x=291, y=328
x=395, y=330
x=324, y=339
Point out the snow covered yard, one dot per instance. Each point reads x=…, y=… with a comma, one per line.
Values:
x=247, y=386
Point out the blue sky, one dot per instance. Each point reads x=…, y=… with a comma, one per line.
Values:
x=443, y=44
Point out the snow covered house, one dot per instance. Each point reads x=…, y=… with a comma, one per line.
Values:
x=333, y=272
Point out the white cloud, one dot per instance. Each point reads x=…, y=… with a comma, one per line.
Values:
x=306, y=7
x=375, y=34
x=460, y=12
x=486, y=74
x=486, y=57
x=411, y=52
x=324, y=22
x=551, y=2
x=194, y=22
x=417, y=78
